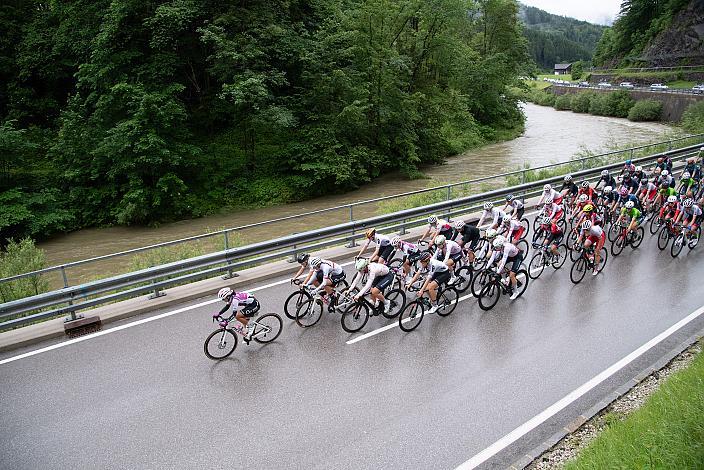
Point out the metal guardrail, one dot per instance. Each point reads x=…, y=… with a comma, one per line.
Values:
x=676, y=91
x=348, y=208
x=152, y=279
x=646, y=69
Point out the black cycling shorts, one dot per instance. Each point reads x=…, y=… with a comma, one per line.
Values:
x=251, y=309
x=383, y=282
x=555, y=238
x=456, y=258
x=386, y=252
x=319, y=276
x=337, y=278
x=519, y=212
x=516, y=261
x=412, y=257
x=441, y=277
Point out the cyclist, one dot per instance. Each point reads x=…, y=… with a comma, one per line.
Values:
x=383, y=252
x=629, y=210
x=448, y=252
x=552, y=234
x=380, y=277
x=509, y=253
x=691, y=216
x=630, y=183
x=490, y=211
x=606, y=179
x=552, y=210
x=593, y=234
x=639, y=173
x=439, y=274
x=628, y=167
x=693, y=169
x=588, y=213
x=517, y=208
x=686, y=183
x=666, y=177
x=671, y=209
x=490, y=235
x=582, y=201
x=436, y=227
x=411, y=254
x=664, y=164
x=665, y=192
x=301, y=259
x=244, y=306
x=549, y=193
x=585, y=189
x=569, y=189
x=512, y=229
x=328, y=275
x=647, y=192
x=470, y=236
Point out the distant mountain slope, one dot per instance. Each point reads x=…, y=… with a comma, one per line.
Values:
x=556, y=39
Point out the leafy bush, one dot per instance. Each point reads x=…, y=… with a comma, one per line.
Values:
x=645, y=110
x=693, y=118
x=616, y=104
x=17, y=258
x=599, y=105
x=542, y=98
x=580, y=101
x=563, y=102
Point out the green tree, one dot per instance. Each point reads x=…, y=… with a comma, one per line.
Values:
x=577, y=70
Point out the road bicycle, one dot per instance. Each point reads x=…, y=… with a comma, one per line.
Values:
x=685, y=237
x=545, y=257
x=669, y=231
x=300, y=296
x=626, y=237
x=500, y=284
x=585, y=262
x=412, y=314
x=223, y=341
x=355, y=314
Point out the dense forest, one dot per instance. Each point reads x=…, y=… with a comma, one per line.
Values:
x=141, y=111
x=639, y=22
x=554, y=39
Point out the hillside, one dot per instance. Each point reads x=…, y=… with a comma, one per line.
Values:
x=555, y=39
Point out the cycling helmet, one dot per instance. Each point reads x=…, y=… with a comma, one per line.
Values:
x=623, y=191
x=396, y=241
x=498, y=242
x=491, y=233
x=488, y=206
x=361, y=263
x=604, y=172
x=689, y=202
x=568, y=178
x=639, y=168
x=506, y=220
x=586, y=225
x=583, y=198
x=440, y=240
x=432, y=220
x=626, y=177
x=686, y=175
x=671, y=199
x=302, y=258
x=225, y=293
x=608, y=189
x=585, y=184
x=665, y=172
x=510, y=198
x=370, y=233
x=315, y=262
x=628, y=162
x=588, y=208
x=425, y=257
x=459, y=225
x=549, y=200
x=630, y=204
x=546, y=220
x=547, y=188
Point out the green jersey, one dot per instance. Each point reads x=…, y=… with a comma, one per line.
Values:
x=635, y=213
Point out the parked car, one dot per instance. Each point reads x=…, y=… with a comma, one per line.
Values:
x=658, y=86
x=584, y=84
x=604, y=85
x=698, y=88
x=626, y=85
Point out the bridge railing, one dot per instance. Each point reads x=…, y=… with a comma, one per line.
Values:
x=74, y=298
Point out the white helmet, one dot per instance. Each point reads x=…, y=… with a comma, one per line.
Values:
x=432, y=220
x=689, y=202
x=547, y=188
x=491, y=233
x=488, y=205
x=583, y=198
x=361, y=263
x=608, y=189
x=568, y=178
x=665, y=172
x=498, y=242
x=671, y=199
x=686, y=175
x=586, y=225
x=315, y=262
x=604, y=172
x=639, y=168
x=506, y=220
x=224, y=293
x=630, y=204
x=440, y=240
x=459, y=225
x=396, y=241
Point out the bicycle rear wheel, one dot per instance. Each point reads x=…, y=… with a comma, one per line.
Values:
x=521, y=281
x=411, y=316
x=480, y=280
x=464, y=278
x=654, y=224
x=447, y=300
x=559, y=259
x=578, y=271
x=526, y=228
x=267, y=328
x=489, y=295
x=355, y=317
x=677, y=245
x=397, y=298
x=663, y=238
x=637, y=239
x=294, y=301
x=602, y=259
x=220, y=344
x=618, y=243
x=536, y=265
x=309, y=313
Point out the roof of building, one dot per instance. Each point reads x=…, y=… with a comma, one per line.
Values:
x=562, y=66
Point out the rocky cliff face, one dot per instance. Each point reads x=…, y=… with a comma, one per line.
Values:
x=682, y=43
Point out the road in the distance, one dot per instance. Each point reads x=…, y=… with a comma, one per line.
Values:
x=147, y=397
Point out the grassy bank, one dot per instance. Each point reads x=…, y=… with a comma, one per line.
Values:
x=667, y=432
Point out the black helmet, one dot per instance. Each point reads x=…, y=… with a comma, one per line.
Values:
x=510, y=197
x=425, y=256
x=302, y=258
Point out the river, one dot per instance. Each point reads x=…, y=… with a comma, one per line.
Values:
x=549, y=136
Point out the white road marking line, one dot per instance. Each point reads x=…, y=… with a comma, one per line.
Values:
x=552, y=410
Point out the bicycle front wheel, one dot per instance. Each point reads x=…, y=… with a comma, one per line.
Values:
x=677, y=245
x=397, y=299
x=537, y=265
x=521, y=281
x=489, y=295
x=267, y=328
x=559, y=259
x=464, y=278
x=220, y=344
x=637, y=239
x=447, y=300
x=654, y=224
x=294, y=301
x=479, y=281
x=309, y=313
x=411, y=316
x=578, y=271
x=618, y=243
x=663, y=238
x=355, y=317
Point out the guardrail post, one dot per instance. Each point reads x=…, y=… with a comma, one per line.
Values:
x=352, y=243
x=73, y=315
x=523, y=176
x=157, y=292
x=292, y=259
x=403, y=228
x=229, y=274
x=449, y=196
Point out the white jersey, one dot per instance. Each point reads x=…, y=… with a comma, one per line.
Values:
x=381, y=240
x=435, y=266
x=494, y=213
x=451, y=248
x=509, y=251
x=375, y=270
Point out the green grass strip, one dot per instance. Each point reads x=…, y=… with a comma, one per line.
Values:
x=667, y=432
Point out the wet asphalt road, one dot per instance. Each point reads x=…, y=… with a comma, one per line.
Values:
x=147, y=397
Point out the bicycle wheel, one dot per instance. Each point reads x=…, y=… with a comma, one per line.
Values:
x=411, y=316
x=602, y=259
x=489, y=295
x=637, y=239
x=523, y=246
x=536, y=265
x=618, y=244
x=479, y=281
x=464, y=278
x=613, y=232
x=398, y=300
x=355, y=317
x=654, y=224
x=447, y=300
x=677, y=245
x=309, y=313
x=521, y=281
x=575, y=254
x=663, y=238
x=578, y=271
x=571, y=240
x=220, y=344
x=294, y=301
x=395, y=263
x=526, y=228
x=694, y=241
x=267, y=328
x=559, y=259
